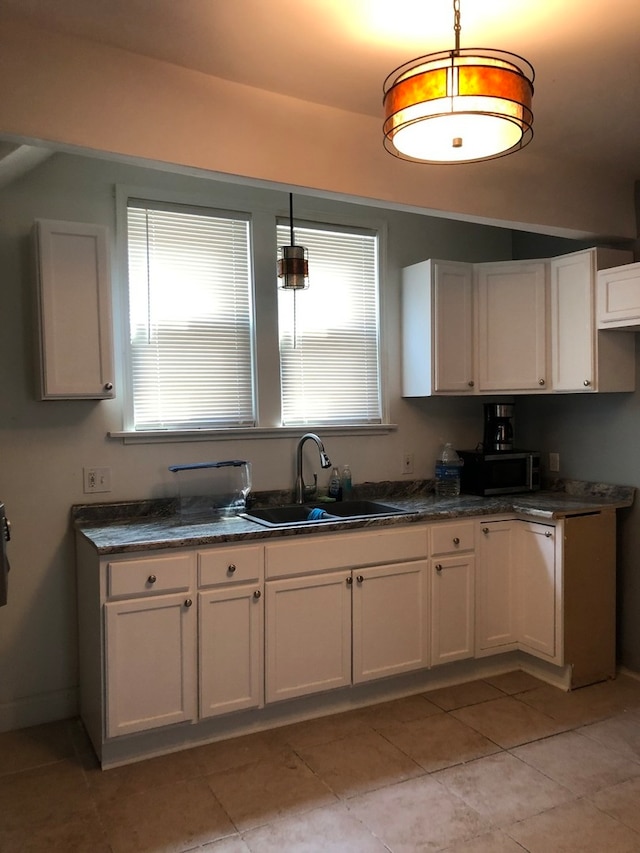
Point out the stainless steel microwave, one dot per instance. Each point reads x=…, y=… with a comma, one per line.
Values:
x=499, y=473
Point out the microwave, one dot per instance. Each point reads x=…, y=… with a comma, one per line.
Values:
x=499, y=472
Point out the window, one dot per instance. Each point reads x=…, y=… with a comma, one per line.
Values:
x=193, y=326
x=329, y=342
x=190, y=318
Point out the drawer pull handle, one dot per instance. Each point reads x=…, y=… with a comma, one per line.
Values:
x=360, y=579
x=231, y=569
x=257, y=594
x=188, y=602
x=438, y=567
x=152, y=579
x=456, y=540
x=485, y=530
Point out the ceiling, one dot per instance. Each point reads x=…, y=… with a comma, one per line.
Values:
x=338, y=52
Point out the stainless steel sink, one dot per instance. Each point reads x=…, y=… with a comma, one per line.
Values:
x=294, y=515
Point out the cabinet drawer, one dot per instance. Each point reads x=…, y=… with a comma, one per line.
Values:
x=149, y=575
x=230, y=565
x=451, y=538
x=345, y=551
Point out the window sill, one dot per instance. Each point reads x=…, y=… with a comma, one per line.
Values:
x=169, y=436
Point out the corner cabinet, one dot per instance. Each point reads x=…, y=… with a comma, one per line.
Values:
x=74, y=310
x=511, y=327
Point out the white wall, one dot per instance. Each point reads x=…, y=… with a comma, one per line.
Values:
x=67, y=91
x=44, y=444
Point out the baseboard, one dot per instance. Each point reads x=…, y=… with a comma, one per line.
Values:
x=630, y=673
x=43, y=708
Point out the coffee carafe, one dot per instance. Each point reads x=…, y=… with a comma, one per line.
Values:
x=498, y=429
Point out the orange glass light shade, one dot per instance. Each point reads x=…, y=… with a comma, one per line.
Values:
x=459, y=106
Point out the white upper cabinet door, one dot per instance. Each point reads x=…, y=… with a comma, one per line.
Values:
x=437, y=329
x=582, y=357
x=572, y=322
x=74, y=302
x=511, y=326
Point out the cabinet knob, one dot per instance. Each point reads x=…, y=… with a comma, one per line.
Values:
x=587, y=383
x=349, y=580
x=438, y=567
x=152, y=579
x=257, y=594
x=485, y=530
x=108, y=386
x=188, y=602
x=456, y=540
x=471, y=383
x=540, y=381
x=548, y=534
x=360, y=579
x=231, y=569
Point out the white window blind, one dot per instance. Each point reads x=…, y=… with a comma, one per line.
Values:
x=190, y=311
x=329, y=345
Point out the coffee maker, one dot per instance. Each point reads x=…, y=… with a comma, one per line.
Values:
x=498, y=429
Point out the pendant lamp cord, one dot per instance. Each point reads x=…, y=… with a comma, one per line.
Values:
x=456, y=23
x=291, y=218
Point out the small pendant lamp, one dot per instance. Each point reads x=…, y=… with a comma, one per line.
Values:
x=459, y=106
x=293, y=261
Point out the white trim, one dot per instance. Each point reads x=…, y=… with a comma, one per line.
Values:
x=160, y=436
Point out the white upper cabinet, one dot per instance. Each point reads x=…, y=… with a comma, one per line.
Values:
x=520, y=327
x=511, y=326
x=437, y=316
x=583, y=358
x=619, y=297
x=74, y=310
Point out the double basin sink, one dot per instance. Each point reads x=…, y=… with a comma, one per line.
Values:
x=295, y=515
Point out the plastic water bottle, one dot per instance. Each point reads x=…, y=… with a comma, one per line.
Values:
x=346, y=482
x=448, y=473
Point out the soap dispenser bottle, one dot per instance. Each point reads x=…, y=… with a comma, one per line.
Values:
x=335, y=488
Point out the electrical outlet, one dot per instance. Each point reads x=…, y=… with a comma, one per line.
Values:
x=96, y=480
x=554, y=462
x=407, y=463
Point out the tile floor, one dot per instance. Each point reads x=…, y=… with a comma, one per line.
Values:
x=496, y=766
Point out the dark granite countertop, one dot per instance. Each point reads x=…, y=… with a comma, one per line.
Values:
x=150, y=525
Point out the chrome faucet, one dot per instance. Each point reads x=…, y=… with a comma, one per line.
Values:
x=302, y=491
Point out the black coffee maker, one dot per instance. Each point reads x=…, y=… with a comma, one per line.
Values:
x=498, y=429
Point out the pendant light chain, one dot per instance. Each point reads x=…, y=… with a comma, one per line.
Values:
x=456, y=24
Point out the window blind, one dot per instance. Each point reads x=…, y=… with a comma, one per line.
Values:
x=190, y=311
x=329, y=341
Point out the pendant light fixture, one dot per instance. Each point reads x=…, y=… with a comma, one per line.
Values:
x=459, y=106
x=293, y=261
x=293, y=269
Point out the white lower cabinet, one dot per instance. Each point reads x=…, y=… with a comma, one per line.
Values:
x=496, y=614
x=354, y=624
x=308, y=635
x=230, y=645
x=537, y=588
x=452, y=591
x=390, y=620
x=150, y=665
x=231, y=629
